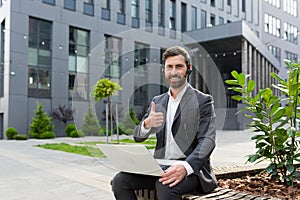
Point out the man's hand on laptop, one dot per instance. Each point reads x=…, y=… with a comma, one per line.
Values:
x=173, y=175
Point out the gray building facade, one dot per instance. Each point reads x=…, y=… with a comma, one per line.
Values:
x=54, y=51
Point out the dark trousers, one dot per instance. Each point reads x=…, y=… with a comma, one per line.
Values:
x=124, y=185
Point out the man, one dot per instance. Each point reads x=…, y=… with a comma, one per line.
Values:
x=183, y=120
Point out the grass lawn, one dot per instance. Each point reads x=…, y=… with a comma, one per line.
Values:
x=82, y=150
x=149, y=143
x=87, y=149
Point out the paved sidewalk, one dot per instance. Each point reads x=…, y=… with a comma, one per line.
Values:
x=32, y=173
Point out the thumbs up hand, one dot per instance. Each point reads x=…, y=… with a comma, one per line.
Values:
x=155, y=119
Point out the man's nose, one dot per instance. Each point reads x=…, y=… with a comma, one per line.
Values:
x=174, y=70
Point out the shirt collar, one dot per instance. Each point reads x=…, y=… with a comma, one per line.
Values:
x=179, y=96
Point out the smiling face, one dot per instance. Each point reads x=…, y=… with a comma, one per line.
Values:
x=176, y=71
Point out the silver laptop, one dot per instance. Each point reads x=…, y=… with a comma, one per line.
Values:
x=133, y=159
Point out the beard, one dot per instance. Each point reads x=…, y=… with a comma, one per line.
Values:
x=176, y=81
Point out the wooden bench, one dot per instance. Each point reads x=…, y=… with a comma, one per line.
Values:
x=218, y=193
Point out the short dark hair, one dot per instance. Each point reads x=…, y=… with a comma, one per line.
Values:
x=175, y=51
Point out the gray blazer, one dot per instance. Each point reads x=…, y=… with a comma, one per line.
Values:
x=193, y=129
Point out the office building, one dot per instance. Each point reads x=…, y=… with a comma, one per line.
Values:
x=54, y=51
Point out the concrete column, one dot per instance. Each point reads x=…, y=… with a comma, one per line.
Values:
x=244, y=56
x=259, y=75
x=250, y=61
x=255, y=69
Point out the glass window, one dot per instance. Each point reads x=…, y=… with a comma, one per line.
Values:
x=290, y=33
x=243, y=5
x=121, y=6
x=275, y=3
x=51, y=2
x=272, y=25
x=70, y=4
x=161, y=11
x=212, y=3
x=203, y=19
x=212, y=19
x=141, y=56
x=149, y=11
x=172, y=22
x=105, y=11
x=276, y=51
x=39, y=58
x=183, y=17
x=88, y=7
x=135, y=23
x=291, y=56
x=78, y=63
x=194, y=18
x=113, y=51
x=135, y=8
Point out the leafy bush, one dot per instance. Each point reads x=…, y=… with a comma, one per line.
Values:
x=129, y=131
x=121, y=129
x=91, y=124
x=131, y=119
x=21, y=137
x=11, y=132
x=103, y=131
x=69, y=128
x=41, y=123
x=278, y=139
x=47, y=135
x=76, y=134
x=63, y=114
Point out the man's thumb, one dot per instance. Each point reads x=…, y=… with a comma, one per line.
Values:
x=152, y=106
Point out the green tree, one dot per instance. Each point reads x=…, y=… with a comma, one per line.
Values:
x=105, y=88
x=130, y=120
x=41, y=123
x=91, y=124
x=277, y=139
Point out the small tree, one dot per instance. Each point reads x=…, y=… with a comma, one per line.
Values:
x=91, y=124
x=277, y=140
x=63, y=114
x=130, y=120
x=105, y=88
x=41, y=123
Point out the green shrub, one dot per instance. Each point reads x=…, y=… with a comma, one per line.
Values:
x=76, y=134
x=121, y=129
x=278, y=137
x=91, y=126
x=131, y=119
x=103, y=130
x=129, y=131
x=21, y=137
x=47, y=135
x=11, y=132
x=69, y=128
x=41, y=123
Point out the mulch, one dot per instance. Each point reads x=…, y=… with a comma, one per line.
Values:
x=261, y=184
